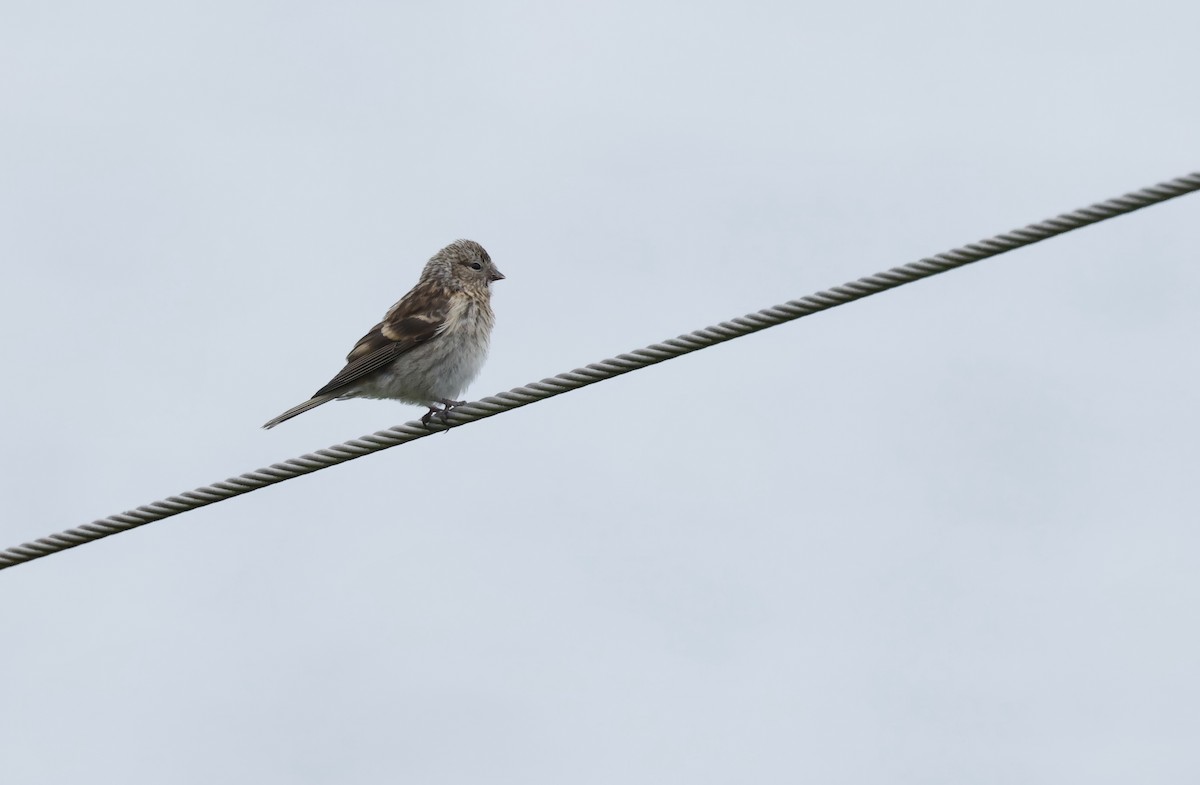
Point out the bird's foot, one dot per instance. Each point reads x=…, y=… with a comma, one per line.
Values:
x=442, y=414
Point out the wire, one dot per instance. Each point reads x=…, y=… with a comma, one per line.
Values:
x=601, y=371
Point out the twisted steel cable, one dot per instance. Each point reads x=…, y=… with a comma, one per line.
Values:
x=605, y=369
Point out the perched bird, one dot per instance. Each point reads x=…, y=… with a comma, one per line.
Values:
x=430, y=345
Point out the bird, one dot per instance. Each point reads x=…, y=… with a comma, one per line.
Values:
x=430, y=345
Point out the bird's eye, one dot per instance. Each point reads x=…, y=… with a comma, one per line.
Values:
x=476, y=266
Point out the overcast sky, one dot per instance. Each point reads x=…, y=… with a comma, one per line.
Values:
x=949, y=534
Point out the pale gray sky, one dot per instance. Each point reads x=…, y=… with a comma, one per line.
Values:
x=948, y=534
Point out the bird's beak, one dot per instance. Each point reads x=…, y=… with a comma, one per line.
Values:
x=496, y=276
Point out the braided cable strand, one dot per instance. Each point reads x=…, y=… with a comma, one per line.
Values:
x=605, y=369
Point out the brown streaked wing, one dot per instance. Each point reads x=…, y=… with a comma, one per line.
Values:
x=415, y=320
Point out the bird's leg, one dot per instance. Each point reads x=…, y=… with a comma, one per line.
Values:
x=442, y=414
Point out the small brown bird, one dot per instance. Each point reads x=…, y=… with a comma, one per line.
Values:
x=430, y=345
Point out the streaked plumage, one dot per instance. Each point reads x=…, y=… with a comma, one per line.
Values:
x=430, y=345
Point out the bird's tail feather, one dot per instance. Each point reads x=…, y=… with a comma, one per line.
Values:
x=312, y=403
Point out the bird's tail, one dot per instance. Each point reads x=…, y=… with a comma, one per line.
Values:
x=312, y=403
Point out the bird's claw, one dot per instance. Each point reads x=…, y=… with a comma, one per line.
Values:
x=442, y=414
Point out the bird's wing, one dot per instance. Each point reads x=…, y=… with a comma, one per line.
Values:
x=418, y=318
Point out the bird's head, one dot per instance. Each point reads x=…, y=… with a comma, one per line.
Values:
x=463, y=264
